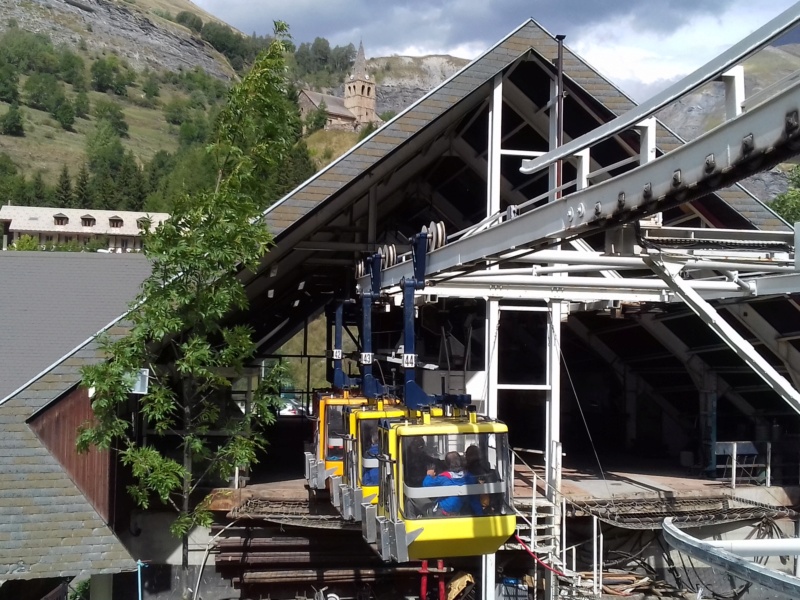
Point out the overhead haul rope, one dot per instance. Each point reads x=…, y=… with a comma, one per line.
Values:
x=580, y=408
x=539, y=560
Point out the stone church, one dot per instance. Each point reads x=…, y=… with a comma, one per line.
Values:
x=356, y=109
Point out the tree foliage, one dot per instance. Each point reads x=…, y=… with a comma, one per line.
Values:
x=11, y=123
x=190, y=20
x=64, y=196
x=317, y=119
x=787, y=205
x=176, y=324
x=9, y=83
x=111, y=112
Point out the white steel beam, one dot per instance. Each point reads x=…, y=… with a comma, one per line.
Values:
x=698, y=167
x=737, y=53
x=729, y=335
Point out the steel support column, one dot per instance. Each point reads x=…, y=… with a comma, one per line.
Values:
x=553, y=434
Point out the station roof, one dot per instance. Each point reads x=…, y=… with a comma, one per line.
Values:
x=429, y=164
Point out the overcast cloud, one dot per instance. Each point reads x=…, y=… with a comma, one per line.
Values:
x=642, y=45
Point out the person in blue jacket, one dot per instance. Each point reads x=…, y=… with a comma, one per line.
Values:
x=453, y=475
x=370, y=475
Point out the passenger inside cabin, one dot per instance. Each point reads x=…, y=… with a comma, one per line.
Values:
x=453, y=475
x=369, y=455
x=480, y=471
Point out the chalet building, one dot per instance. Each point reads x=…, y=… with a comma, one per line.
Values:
x=621, y=412
x=352, y=112
x=53, y=226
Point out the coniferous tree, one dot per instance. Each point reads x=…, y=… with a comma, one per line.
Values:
x=64, y=196
x=39, y=195
x=82, y=196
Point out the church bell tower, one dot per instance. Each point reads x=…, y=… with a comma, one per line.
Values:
x=359, y=91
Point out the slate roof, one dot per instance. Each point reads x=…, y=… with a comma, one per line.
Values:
x=47, y=527
x=53, y=303
x=333, y=104
x=530, y=35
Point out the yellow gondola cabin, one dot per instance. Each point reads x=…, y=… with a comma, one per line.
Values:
x=445, y=489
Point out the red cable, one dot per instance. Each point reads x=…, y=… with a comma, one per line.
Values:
x=537, y=559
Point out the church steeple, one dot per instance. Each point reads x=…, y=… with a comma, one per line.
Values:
x=359, y=91
x=360, y=66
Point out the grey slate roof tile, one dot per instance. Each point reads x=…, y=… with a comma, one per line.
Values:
x=45, y=521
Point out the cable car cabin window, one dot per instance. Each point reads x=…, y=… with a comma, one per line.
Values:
x=334, y=425
x=368, y=441
x=456, y=475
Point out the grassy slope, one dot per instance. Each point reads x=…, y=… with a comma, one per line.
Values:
x=46, y=147
x=327, y=146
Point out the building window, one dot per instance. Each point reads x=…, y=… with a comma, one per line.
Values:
x=48, y=239
x=362, y=90
x=60, y=219
x=123, y=243
x=87, y=221
x=67, y=239
x=115, y=222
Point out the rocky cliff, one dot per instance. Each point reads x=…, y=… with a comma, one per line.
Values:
x=700, y=112
x=135, y=34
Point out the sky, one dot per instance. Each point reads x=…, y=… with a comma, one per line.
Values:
x=640, y=45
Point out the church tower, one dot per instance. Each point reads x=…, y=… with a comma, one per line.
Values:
x=359, y=91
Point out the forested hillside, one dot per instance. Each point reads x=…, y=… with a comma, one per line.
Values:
x=114, y=106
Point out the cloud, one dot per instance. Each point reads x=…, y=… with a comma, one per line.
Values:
x=630, y=40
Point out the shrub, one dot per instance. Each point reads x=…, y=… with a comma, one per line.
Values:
x=11, y=123
x=190, y=20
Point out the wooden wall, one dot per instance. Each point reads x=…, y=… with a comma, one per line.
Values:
x=91, y=471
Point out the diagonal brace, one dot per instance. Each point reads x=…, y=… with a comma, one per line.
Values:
x=728, y=334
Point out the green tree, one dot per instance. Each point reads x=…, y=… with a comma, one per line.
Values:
x=176, y=325
x=317, y=119
x=26, y=243
x=82, y=197
x=39, y=192
x=65, y=114
x=9, y=83
x=28, y=52
x=787, y=204
x=11, y=123
x=176, y=111
x=150, y=88
x=64, y=196
x=43, y=91
x=111, y=112
x=103, y=74
x=81, y=105
x=104, y=150
x=71, y=67
x=194, y=130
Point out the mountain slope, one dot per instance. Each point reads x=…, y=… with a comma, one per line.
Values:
x=700, y=112
x=129, y=29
